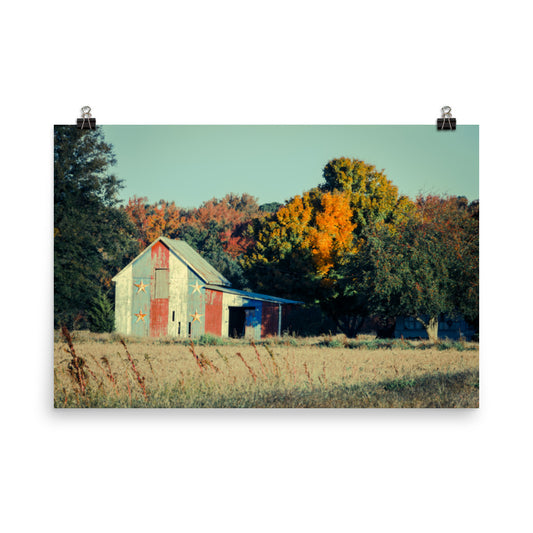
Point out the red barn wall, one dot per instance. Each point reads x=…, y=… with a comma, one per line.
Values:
x=213, y=312
x=158, y=306
x=269, y=319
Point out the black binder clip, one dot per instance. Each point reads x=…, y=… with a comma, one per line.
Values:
x=446, y=122
x=86, y=122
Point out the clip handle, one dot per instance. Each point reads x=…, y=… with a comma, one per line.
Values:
x=446, y=122
x=86, y=122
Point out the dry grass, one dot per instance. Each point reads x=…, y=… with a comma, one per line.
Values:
x=152, y=373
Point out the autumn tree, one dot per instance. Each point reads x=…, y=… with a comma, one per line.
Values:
x=93, y=238
x=300, y=251
x=161, y=219
x=373, y=197
x=425, y=267
x=232, y=214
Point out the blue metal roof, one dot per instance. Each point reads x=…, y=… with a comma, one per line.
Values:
x=253, y=295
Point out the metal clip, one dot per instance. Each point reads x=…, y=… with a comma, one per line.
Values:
x=446, y=122
x=86, y=122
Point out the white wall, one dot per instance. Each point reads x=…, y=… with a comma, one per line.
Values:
x=177, y=296
x=123, y=299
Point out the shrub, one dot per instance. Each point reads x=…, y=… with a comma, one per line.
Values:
x=101, y=315
x=209, y=340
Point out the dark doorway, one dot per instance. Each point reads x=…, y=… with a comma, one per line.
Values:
x=237, y=321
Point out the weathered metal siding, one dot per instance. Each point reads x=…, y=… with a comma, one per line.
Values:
x=123, y=298
x=213, y=312
x=286, y=311
x=158, y=306
x=177, y=297
x=453, y=329
x=253, y=318
x=195, y=305
x=270, y=319
x=142, y=277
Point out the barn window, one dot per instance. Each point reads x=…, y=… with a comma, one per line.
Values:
x=173, y=316
x=190, y=328
x=179, y=328
x=161, y=283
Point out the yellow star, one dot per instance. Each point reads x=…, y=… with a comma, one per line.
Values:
x=141, y=287
x=196, y=316
x=196, y=288
x=140, y=316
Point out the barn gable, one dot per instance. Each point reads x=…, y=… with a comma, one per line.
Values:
x=185, y=253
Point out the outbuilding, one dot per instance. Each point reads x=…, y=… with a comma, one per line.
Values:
x=171, y=290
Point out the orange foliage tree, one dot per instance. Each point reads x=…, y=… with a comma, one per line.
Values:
x=153, y=221
x=299, y=251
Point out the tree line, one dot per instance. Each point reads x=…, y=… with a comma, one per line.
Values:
x=352, y=246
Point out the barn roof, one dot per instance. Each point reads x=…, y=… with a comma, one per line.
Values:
x=191, y=258
x=253, y=295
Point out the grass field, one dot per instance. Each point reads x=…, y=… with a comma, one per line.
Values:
x=100, y=371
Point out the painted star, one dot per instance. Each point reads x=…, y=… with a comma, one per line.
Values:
x=196, y=288
x=141, y=287
x=140, y=316
x=196, y=316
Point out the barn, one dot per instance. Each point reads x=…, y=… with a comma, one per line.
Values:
x=170, y=289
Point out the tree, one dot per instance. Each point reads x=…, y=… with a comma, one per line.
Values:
x=101, y=316
x=230, y=214
x=207, y=242
x=153, y=221
x=300, y=251
x=373, y=197
x=92, y=237
x=270, y=207
x=217, y=229
x=425, y=267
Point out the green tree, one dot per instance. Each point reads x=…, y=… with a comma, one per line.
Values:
x=425, y=267
x=101, y=315
x=373, y=197
x=270, y=207
x=208, y=241
x=93, y=238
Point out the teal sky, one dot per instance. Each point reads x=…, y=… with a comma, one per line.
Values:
x=192, y=164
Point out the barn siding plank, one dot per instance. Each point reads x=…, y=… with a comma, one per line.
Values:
x=196, y=304
x=269, y=319
x=142, y=271
x=178, y=301
x=213, y=312
x=158, y=306
x=123, y=301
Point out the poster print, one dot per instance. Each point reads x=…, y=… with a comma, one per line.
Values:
x=266, y=266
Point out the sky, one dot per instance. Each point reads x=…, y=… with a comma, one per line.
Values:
x=192, y=164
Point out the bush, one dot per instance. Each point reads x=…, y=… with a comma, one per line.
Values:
x=209, y=340
x=101, y=316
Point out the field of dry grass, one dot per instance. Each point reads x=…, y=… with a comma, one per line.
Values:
x=282, y=372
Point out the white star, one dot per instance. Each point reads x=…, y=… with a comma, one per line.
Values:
x=141, y=287
x=196, y=288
